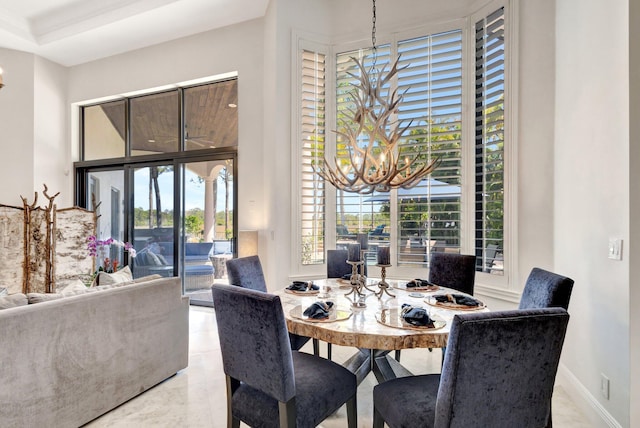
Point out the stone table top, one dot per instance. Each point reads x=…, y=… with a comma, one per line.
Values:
x=363, y=328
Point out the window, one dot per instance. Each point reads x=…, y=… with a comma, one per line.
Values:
x=453, y=85
x=312, y=120
x=489, y=141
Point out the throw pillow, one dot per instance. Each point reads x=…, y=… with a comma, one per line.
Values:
x=70, y=285
x=13, y=300
x=123, y=275
x=43, y=297
x=153, y=259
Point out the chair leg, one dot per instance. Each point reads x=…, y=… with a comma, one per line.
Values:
x=328, y=351
x=398, y=355
x=378, y=422
x=316, y=347
x=352, y=412
x=287, y=413
x=232, y=385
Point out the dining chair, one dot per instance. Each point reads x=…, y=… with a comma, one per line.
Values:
x=268, y=384
x=544, y=289
x=456, y=271
x=499, y=371
x=246, y=272
x=337, y=265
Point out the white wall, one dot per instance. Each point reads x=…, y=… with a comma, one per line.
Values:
x=17, y=127
x=51, y=155
x=591, y=201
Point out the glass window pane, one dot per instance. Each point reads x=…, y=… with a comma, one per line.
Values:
x=155, y=124
x=211, y=116
x=106, y=197
x=104, y=130
x=153, y=221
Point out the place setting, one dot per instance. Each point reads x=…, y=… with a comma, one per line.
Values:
x=320, y=312
x=409, y=317
x=417, y=287
x=303, y=288
x=455, y=301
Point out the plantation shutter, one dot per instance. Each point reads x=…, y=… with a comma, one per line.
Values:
x=312, y=136
x=489, y=142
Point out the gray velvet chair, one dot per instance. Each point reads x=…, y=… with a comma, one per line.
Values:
x=246, y=272
x=457, y=271
x=545, y=289
x=268, y=384
x=337, y=265
x=498, y=371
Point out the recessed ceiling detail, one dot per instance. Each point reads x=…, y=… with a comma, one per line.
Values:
x=72, y=32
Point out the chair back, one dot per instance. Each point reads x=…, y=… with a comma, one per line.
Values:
x=500, y=367
x=545, y=289
x=254, y=341
x=457, y=271
x=337, y=265
x=246, y=272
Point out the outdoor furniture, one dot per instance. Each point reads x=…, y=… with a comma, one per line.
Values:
x=499, y=371
x=268, y=384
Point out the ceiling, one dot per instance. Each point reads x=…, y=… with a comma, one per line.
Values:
x=72, y=32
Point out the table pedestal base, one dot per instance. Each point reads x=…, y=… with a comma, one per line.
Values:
x=377, y=361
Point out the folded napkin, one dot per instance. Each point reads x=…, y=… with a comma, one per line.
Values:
x=458, y=299
x=303, y=286
x=420, y=283
x=318, y=310
x=416, y=316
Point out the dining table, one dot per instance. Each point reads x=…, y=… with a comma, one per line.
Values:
x=372, y=322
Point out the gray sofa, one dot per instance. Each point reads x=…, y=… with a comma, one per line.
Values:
x=65, y=362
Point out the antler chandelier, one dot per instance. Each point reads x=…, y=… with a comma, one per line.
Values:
x=378, y=165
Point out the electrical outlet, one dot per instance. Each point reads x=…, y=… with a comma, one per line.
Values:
x=604, y=386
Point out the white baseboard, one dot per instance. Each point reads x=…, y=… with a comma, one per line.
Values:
x=584, y=400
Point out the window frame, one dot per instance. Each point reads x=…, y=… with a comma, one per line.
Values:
x=497, y=285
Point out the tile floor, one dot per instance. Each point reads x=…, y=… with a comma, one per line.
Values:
x=195, y=397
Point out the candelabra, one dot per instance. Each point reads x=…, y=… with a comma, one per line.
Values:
x=383, y=285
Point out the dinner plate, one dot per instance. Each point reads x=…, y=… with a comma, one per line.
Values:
x=335, y=314
x=403, y=286
x=449, y=305
x=302, y=293
x=393, y=318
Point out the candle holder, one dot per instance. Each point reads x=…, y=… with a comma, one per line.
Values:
x=357, y=282
x=383, y=285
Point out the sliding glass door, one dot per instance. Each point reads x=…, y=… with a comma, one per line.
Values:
x=208, y=225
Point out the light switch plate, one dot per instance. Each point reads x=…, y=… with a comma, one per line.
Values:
x=615, y=249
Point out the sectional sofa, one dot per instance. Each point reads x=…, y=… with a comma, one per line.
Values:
x=71, y=358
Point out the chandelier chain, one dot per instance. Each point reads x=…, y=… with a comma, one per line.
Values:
x=373, y=28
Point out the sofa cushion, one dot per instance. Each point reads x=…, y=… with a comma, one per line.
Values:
x=147, y=278
x=123, y=275
x=71, y=285
x=42, y=297
x=13, y=300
